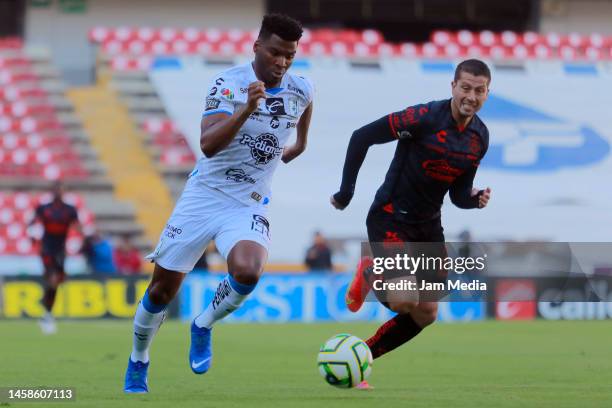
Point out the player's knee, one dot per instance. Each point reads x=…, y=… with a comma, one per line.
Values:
x=425, y=315
x=402, y=307
x=247, y=271
x=427, y=319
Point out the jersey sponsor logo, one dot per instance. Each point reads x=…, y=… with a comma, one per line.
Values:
x=239, y=175
x=441, y=170
x=276, y=106
x=255, y=116
x=261, y=224
x=404, y=134
x=172, y=231
x=296, y=90
x=227, y=93
x=274, y=122
x=475, y=144
x=256, y=196
x=264, y=147
x=244, y=90
x=213, y=91
x=219, y=81
x=290, y=125
x=407, y=117
x=212, y=103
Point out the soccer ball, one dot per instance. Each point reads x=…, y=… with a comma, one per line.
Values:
x=345, y=361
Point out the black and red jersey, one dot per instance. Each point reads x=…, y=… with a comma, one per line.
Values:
x=56, y=218
x=433, y=156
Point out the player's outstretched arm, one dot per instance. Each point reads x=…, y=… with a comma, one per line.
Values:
x=463, y=195
x=219, y=129
x=293, y=151
x=377, y=132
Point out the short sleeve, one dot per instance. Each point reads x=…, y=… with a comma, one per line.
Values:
x=406, y=123
x=220, y=97
x=309, y=89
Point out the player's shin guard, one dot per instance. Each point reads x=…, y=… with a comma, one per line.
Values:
x=393, y=334
x=149, y=316
x=229, y=296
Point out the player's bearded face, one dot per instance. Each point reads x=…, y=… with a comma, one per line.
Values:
x=273, y=57
x=469, y=93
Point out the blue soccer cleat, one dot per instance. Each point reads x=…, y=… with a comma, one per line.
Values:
x=136, y=377
x=200, y=353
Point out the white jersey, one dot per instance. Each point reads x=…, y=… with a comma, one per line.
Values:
x=243, y=170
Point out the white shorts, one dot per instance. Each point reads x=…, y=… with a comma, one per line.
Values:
x=201, y=215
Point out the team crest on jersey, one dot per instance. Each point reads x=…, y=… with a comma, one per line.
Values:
x=294, y=106
x=227, y=93
x=264, y=147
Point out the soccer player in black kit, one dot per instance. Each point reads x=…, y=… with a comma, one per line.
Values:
x=56, y=218
x=439, y=147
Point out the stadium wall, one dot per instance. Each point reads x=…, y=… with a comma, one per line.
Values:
x=582, y=16
x=66, y=33
x=294, y=298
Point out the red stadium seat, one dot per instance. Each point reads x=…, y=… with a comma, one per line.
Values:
x=372, y=37
x=431, y=50
x=488, y=39
x=509, y=38
x=466, y=38
x=443, y=38
x=567, y=53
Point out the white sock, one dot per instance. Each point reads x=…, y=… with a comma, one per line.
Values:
x=146, y=325
x=226, y=300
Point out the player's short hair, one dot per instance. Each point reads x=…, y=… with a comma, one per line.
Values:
x=475, y=67
x=287, y=28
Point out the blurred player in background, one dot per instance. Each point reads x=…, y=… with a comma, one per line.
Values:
x=56, y=218
x=251, y=110
x=440, y=145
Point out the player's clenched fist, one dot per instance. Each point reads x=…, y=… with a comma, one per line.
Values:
x=257, y=91
x=483, y=196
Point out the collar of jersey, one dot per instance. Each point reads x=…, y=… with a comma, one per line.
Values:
x=274, y=91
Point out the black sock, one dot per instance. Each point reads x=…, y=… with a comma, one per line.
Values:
x=393, y=334
x=49, y=298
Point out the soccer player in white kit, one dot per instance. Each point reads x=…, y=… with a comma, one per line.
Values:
x=251, y=110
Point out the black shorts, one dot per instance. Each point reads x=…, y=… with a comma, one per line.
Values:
x=53, y=261
x=383, y=227
x=389, y=237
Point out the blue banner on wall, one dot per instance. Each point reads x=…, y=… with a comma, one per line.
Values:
x=302, y=298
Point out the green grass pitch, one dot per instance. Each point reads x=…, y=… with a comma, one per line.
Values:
x=488, y=364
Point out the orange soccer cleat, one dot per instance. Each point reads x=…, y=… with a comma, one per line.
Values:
x=359, y=287
x=364, y=386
